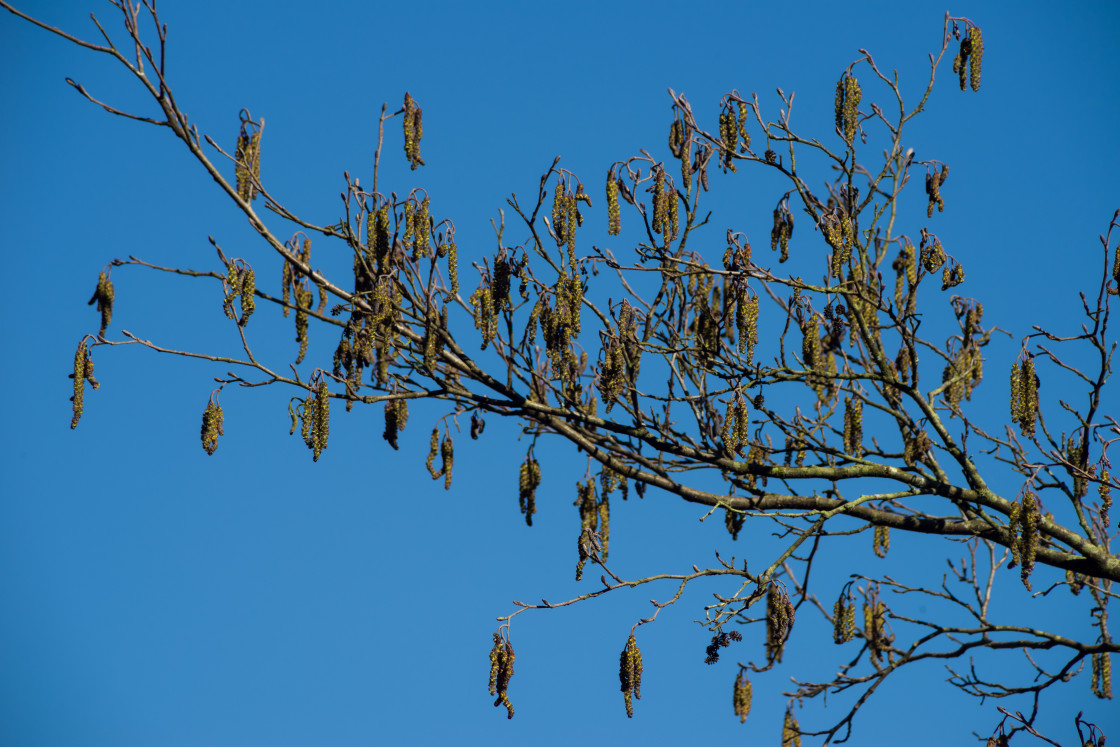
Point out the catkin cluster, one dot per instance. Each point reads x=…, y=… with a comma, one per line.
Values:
x=595, y=524
x=501, y=671
x=932, y=253
x=413, y=131
x=247, y=172
x=1024, y=395
x=791, y=731
x=782, y=231
x=103, y=296
x=295, y=283
x=742, y=696
x=396, y=418
x=881, y=543
x=621, y=357
x=529, y=479
x=963, y=373
x=779, y=621
x=1102, y=675
x=630, y=674
x=967, y=62
x=1075, y=454
x=485, y=318
x=316, y=418
x=83, y=372
x=733, y=132
x=417, y=238
x=844, y=618
x=952, y=275
x=879, y=637
x=840, y=235
x=240, y=283
x=848, y=95
x=1022, y=528
x=934, y=181
x=445, y=449
x=905, y=267
x=735, y=433
x=212, y=418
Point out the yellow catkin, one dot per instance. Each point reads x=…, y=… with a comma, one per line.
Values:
x=843, y=619
x=742, y=696
x=413, y=131
x=1102, y=675
x=614, y=215
x=212, y=420
x=976, y=54
x=321, y=417
x=853, y=426
x=104, y=296
x=630, y=674
x=791, y=731
x=501, y=672
x=82, y=366
x=882, y=541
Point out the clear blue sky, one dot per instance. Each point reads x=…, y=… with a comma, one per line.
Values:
x=152, y=595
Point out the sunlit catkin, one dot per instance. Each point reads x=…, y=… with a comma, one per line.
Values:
x=321, y=419
x=501, y=672
x=413, y=131
x=1024, y=396
x=843, y=618
x=614, y=215
x=853, y=426
x=447, y=460
x=630, y=674
x=1102, y=675
x=212, y=419
x=82, y=365
x=791, y=731
x=779, y=621
x=529, y=479
x=848, y=95
x=976, y=54
x=103, y=296
x=881, y=543
x=742, y=696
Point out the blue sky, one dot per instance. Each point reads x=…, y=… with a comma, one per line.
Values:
x=154, y=595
